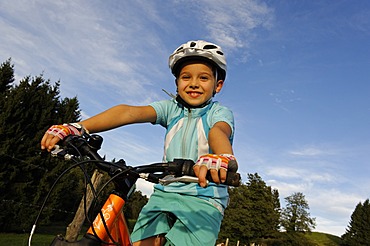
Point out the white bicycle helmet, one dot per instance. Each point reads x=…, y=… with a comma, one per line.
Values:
x=198, y=50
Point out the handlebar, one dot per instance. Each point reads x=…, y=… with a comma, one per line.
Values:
x=179, y=170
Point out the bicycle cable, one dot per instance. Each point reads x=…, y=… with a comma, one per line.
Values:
x=78, y=163
x=46, y=199
x=100, y=212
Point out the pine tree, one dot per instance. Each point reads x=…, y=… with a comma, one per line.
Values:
x=6, y=76
x=6, y=82
x=265, y=207
x=358, y=230
x=237, y=221
x=134, y=205
x=27, y=110
x=253, y=212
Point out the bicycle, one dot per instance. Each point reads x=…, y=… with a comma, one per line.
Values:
x=109, y=226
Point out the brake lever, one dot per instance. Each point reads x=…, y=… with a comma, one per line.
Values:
x=61, y=153
x=184, y=179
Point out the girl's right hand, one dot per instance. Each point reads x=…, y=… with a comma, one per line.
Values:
x=216, y=165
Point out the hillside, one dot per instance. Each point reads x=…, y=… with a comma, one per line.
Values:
x=323, y=239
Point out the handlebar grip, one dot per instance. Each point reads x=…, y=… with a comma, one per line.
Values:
x=233, y=179
x=182, y=167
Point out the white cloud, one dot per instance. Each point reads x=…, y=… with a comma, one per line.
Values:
x=334, y=202
x=109, y=46
x=298, y=173
x=135, y=149
x=145, y=187
x=79, y=44
x=333, y=209
x=325, y=225
x=288, y=188
x=310, y=151
x=231, y=23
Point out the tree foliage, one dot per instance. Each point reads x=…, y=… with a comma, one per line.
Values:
x=26, y=110
x=253, y=212
x=358, y=230
x=295, y=216
x=135, y=204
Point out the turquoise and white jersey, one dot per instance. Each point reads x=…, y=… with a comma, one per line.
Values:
x=187, y=138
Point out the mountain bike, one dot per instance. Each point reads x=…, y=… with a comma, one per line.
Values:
x=109, y=226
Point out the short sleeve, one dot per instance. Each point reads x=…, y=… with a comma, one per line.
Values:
x=221, y=113
x=160, y=109
x=165, y=110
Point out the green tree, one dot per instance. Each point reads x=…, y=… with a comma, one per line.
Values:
x=265, y=207
x=27, y=109
x=253, y=212
x=6, y=81
x=6, y=76
x=358, y=230
x=134, y=205
x=237, y=219
x=295, y=216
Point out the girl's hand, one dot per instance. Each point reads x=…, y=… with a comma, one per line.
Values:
x=217, y=165
x=58, y=132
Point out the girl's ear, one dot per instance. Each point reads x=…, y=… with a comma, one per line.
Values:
x=219, y=85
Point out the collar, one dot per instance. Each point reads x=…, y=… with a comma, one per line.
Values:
x=186, y=105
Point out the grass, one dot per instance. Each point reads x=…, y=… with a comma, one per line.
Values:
x=13, y=239
x=39, y=239
x=323, y=239
x=44, y=235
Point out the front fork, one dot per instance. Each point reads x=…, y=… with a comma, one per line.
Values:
x=113, y=229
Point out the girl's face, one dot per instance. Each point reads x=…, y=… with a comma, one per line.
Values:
x=196, y=83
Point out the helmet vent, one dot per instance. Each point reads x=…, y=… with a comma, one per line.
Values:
x=193, y=44
x=219, y=52
x=209, y=47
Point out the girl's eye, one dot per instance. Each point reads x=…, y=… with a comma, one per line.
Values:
x=204, y=78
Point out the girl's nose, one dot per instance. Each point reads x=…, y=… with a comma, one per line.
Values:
x=193, y=84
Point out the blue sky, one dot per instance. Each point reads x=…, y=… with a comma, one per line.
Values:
x=298, y=81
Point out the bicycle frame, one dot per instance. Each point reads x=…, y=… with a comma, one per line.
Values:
x=114, y=220
x=111, y=229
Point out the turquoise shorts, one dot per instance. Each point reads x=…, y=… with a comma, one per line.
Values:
x=196, y=221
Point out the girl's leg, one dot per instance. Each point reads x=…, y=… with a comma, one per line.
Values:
x=159, y=240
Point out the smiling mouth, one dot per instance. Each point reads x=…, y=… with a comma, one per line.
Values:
x=194, y=94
